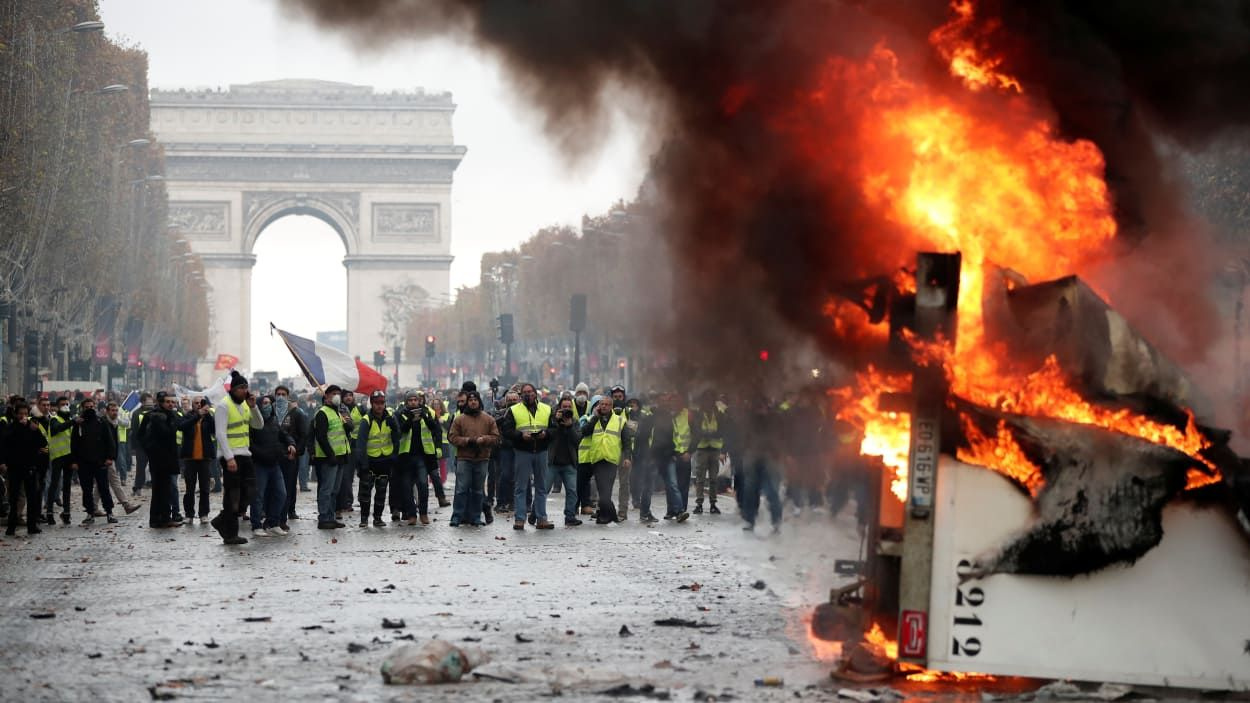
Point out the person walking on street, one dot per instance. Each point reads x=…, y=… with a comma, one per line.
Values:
x=92, y=448
x=708, y=437
x=377, y=446
x=269, y=445
x=199, y=452
x=670, y=449
x=113, y=417
x=159, y=433
x=473, y=434
x=146, y=405
x=605, y=436
x=294, y=423
x=23, y=445
x=60, y=480
x=528, y=427
x=761, y=433
x=562, y=462
x=349, y=407
x=235, y=417
x=330, y=455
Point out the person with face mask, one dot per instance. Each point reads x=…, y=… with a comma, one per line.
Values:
x=146, y=405
x=419, y=449
x=351, y=423
x=60, y=478
x=269, y=445
x=234, y=418
x=606, y=438
x=500, y=482
x=330, y=450
x=92, y=448
x=707, y=434
x=291, y=419
x=474, y=434
x=21, y=450
x=199, y=453
x=160, y=445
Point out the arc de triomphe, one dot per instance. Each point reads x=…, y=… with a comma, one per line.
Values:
x=376, y=167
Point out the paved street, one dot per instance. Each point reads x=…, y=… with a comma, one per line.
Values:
x=137, y=608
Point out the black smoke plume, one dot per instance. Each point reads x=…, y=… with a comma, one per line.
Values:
x=758, y=239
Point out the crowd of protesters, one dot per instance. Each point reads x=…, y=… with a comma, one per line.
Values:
x=598, y=456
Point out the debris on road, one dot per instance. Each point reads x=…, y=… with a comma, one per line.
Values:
x=523, y=639
x=682, y=622
x=389, y=624
x=625, y=631
x=696, y=586
x=44, y=615
x=356, y=648
x=436, y=661
x=258, y=618
x=759, y=585
x=628, y=690
x=770, y=681
x=869, y=695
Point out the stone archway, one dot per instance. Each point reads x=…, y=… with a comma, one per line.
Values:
x=376, y=167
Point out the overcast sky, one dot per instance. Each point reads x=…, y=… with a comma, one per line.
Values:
x=511, y=183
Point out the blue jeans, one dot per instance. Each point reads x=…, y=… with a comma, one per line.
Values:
x=467, y=505
x=327, y=490
x=270, y=497
x=759, y=478
x=530, y=465
x=303, y=471
x=122, y=462
x=566, y=475
x=672, y=492
x=175, y=504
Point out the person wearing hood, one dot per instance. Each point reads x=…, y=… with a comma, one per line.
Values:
x=199, y=451
x=269, y=445
x=377, y=448
x=235, y=416
x=473, y=433
x=605, y=440
x=160, y=449
x=92, y=448
x=292, y=421
x=581, y=402
x=330, y=456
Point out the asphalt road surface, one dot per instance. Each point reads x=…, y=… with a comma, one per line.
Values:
x=174, y=614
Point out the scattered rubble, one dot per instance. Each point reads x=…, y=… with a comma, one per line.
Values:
x=436, y=661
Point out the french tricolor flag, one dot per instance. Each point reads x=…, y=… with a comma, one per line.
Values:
x=324, y=366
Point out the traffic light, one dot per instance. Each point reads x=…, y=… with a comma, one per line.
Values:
x=429, y=346
x=505, y=328
x=763, y=355
x=379, y=357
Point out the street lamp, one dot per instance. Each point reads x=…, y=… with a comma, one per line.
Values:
x=83, y=27
x=138, y=142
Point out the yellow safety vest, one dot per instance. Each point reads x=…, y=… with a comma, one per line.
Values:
x=681, y=432
x=708, y=424
x=122, y=432
x=604, y=441
x=238, y=425
x=525, y=422
x=379, y=436
x=427, y=438
x=334, y=433
x=58, y=445
x=356, y=417
x=178, y=434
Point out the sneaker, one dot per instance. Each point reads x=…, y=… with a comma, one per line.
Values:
x=286, y=529
x=259, y=532
x=714, y=510
x=443, y=502
x=682, y=517
x=49, y=519
x=648, y=518
x=97, y=513
x=203, y=521
x=111, y=520
x=453, y=523
x=378, y=522
x=88, y=520
x=394, y=517
x=544, y=525
x=518, y=525
x=571, y=522
x=669, y=516
x=749, y=527
x=130, y=507
x=698, y=509
x=234, y=540
x=339, y=524
x=326, y=525
x=275, y=532
x=488, y=514
x=364, y=521
x=64, y=518
x=294, y=516
x=622, y=516
x=33, y=530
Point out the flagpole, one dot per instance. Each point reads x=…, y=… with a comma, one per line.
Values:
x=302, y=366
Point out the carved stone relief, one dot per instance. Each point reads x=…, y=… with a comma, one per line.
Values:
x=405, y=221
x=201, y=220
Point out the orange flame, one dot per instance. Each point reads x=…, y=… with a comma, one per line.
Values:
x=1002, y=453
x=989, y=177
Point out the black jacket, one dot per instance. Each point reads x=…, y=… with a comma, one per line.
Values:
x=269, y=443
x=20, y=445
x=564, y=441
x=407, y=423
x=160, y=438
x=295, y=425
x=91, y=443
x=208, y=437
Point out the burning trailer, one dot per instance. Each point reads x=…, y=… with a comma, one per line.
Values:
x=1051, y=505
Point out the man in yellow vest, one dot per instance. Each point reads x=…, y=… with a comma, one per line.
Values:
x=377, y=447
x=420, y=447
x=350, y=408
x=529, y=426
x=330, y=456
x=670, y=450
x=605, y=438
x=708, y=436
x=235, y=416
x=58, y=446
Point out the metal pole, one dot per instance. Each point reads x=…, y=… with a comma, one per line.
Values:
x=577, y=358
